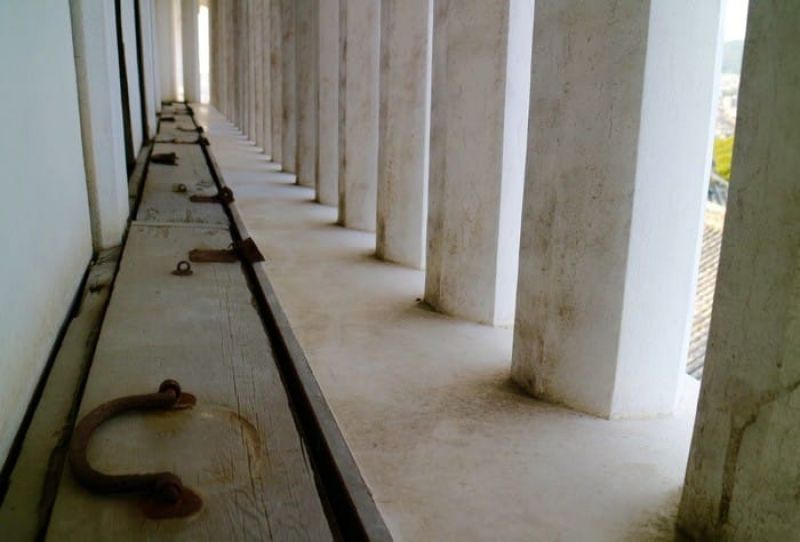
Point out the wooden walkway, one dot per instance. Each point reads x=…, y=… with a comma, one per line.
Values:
x=240, y=447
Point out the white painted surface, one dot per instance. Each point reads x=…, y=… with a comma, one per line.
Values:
x=481, y=69
x=306, y=43
x=151, y=100
x=276, y=82
x=132, y=71
x=259, y=95
x=618, y=163
x=328, y=115
x=44, y=213
x=359, y=100
x=741, y=482
x=403, y=154
x=94, y=37
x=449, y=448
x=189, y=50
x=289, y=84
x=165, y=41
x=266, y=77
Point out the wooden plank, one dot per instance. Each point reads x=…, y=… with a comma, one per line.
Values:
x=334, y=449
x=34, y=480
x=239, y=447
x=160, y=202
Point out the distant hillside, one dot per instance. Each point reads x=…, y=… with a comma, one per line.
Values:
x=732, y=56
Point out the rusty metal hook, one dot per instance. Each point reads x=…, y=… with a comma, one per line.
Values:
x=166, y=496
x=183, y=269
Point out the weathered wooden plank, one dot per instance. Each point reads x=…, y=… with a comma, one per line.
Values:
x=239, y=447
x=334, y=449
x=161, y=203
x=38, y=468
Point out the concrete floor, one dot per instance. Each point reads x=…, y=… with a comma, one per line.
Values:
x=450, y=448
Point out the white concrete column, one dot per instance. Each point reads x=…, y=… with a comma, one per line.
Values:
x=618, y=163
x=151, y=99
x=288, y=82
x=742, y=476
x=250, y=69
x=94, y=36
x=230, y=59
x=306, y=44
x=276, y=82
x=165, y=38
x=359, y=82
x=258, y=76
x=479, y=111
x=131, y=56
x=266, y=76
x=191, y=58
x=328, y=112
x=406, y=33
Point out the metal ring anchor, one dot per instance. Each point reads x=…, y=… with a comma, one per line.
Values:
x=183, y=269
x=165, y=494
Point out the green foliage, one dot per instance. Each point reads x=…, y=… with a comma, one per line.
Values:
x=723, y=153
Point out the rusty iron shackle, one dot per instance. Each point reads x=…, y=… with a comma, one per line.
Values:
x=165, y=494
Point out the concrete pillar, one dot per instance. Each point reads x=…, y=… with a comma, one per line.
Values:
x=151, y=99
x=742, y=476
x=94, y=36
x=406, y=33
x=328, y=112
x=165, y=39
x=618, y=164
x=288, y=82
x=266, y=76
x=191, y=57
x=135, y=98
x=250, y=70
x=276, y=83
x=479, y=111
x=306, y=44
x=359, y=82
x=257, y=70
x=230, y=59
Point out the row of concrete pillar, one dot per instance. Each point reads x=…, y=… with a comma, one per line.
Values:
x=546, y=164
x=412, y=117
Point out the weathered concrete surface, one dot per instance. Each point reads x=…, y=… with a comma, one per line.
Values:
x=94, y=36
x=406, y=34
x=450, y=450
x=306, y=44
x=328, y=114
x=359, y=81
x=741, y=483
x=44, y=214
x=266, y=77
x=479, y=110
x=276, y=80
x=189, y=49
x=289, y=84
x=613, y=221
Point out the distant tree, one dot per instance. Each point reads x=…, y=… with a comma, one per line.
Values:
x=723, y=153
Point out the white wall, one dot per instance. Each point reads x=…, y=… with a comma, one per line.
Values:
x=45, y=238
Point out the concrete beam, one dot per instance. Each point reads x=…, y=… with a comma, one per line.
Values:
x=741, y=481
x=328, y=114
x=359, y=82
x=479, y=111
x=403, y=155
x=622, y=101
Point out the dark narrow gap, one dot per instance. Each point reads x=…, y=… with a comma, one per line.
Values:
x=130, y=159
x=143, y=98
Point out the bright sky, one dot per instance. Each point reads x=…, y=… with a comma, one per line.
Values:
x=735, y=20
